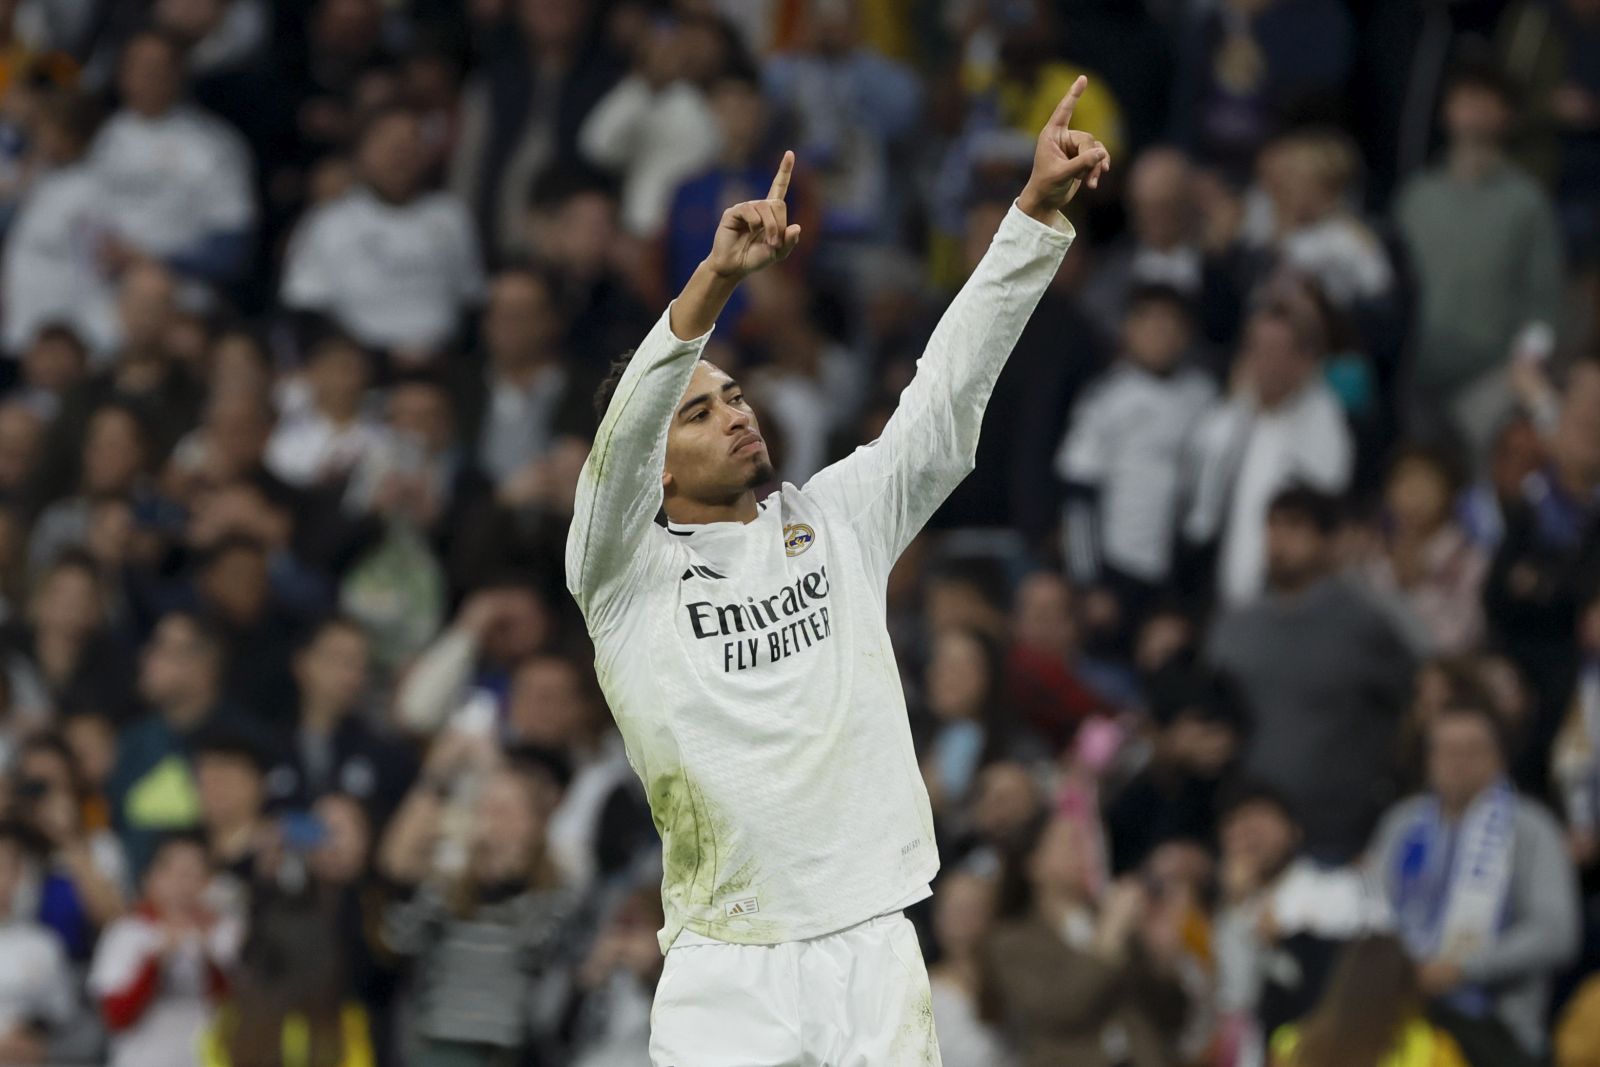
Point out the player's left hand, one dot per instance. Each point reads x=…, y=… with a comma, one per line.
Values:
x=1063, y=160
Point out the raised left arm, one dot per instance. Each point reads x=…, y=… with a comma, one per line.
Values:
x=930, y=444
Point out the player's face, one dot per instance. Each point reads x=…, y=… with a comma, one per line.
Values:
x=715, y=450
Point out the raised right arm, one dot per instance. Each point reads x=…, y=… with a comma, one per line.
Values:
x=619, y=490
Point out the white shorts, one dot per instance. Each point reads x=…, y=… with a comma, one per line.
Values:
x=856, y=998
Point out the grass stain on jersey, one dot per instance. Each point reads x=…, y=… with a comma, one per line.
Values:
x=695, y=871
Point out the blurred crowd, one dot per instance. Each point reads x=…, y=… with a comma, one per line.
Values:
x=1255, y=673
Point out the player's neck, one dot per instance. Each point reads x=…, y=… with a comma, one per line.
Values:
x=741, y=508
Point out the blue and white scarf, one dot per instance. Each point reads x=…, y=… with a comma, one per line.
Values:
x=1450, y=883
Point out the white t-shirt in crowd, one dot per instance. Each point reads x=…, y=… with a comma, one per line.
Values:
x=1246, y=456
x=749, y=665
x=35, y=980
x=50, y=272
x=170, y=183
x=308, y=447
x=167, y=1033
x=393, y=275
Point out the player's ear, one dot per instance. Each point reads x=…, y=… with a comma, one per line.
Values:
x=666, y=482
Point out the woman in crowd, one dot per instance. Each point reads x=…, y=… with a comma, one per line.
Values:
x=1370, y=1016
x=1080, y=980
x=1422, y=560
x=83, y=887
x=964, y=1002
x=964, y=690
x=483, y=916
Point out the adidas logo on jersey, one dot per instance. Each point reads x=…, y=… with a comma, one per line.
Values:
x=743, y=906
x=697, y=571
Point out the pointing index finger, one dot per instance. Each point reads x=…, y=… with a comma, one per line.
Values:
x=780, y=184
x=1062, y=118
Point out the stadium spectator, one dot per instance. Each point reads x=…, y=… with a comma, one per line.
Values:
x=1281, y=920
x=64, y=651
x=115, y=463
x=229, y=784
x=744, y=127
x=52, y=364
x=1575, y=759
x=1491, y=291
x=486, y=927
x=851, y=106
x=1373, y=1008
x=333, y=750
x=1490, y=930
x=393, y=265
x=971, y=723
x=1280, y=425
x=82, y=884
x=546, y=68
x=327, y=427
x=602, y=827
x=1199, y=730
x=1322, y=720
x=1161, y=249
x=1071, y=969
x=525, y=391
x=961, y=983
x=616, y=983
x=143, y=376
x=151, y=788
x=1123, y=460
x=250, y=618
x=50, y=276
x=1546, y=568
x=199, y=218
x=496, y=628
x=809, y=386
x=1049, y=682
x=38, y=994
x=654, y=128
x=573, y=229
x=1422, y=560
x=158, y=973
x=1247, y=66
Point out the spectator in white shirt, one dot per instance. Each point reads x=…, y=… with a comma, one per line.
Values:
x=1308, y=176
x=655, y=129
x=36, y=986
x=325, y=430
x=50, y=273
x=158, y=971
x=392, y=264
x=174, y=181
x=1282, y=425
x=528, y=393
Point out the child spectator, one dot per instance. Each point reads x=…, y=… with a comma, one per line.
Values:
x=1124, y=458
x=158, y=972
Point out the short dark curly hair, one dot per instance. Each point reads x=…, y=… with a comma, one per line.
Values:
x=608, y=385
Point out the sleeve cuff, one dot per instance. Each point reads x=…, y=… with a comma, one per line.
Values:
x=1060, y=226
x=666, y=326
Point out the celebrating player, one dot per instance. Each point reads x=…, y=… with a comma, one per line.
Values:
x=745, y=653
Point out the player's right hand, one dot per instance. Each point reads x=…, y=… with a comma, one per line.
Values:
x=756, y=233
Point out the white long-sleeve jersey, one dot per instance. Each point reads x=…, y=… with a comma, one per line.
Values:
x=748, y=664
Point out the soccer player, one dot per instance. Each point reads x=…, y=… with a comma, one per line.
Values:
x=744, y=652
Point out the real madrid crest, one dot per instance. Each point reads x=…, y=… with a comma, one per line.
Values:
x=797, y=537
